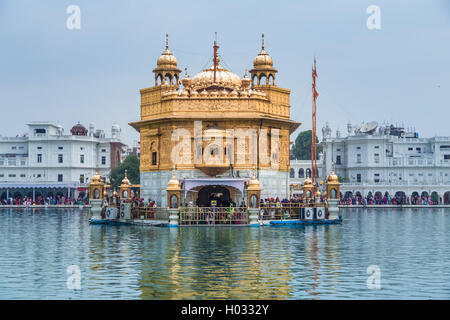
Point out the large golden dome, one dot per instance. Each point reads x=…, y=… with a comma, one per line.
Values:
x=224, y=79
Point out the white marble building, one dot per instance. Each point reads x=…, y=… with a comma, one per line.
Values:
x=379, y=159
x=46, y=160
x=300, y=170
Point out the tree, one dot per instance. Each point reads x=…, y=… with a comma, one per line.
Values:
x=302, y=146
x=131, y=164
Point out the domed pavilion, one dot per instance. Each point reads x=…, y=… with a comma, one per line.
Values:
x=213, y=130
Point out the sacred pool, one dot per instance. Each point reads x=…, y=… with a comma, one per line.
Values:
x=374, y=254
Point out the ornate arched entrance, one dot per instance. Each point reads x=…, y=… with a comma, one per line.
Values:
x=447, y=197
x=220, y=194
x=198, y=191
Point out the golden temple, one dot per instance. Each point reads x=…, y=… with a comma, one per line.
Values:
x=214, y=130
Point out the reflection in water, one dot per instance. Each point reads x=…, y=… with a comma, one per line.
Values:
x=314, y=262
x=216, y=263
x=331, y=251
x=313, y=256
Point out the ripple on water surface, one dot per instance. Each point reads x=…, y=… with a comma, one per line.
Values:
x=410, y=247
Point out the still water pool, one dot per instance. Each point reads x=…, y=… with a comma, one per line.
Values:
x=411, y=249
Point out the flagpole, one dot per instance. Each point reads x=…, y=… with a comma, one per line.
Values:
x=314, y=124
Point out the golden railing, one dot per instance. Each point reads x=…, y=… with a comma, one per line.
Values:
x=149, y=213
x=213, y=215
x=285, y=211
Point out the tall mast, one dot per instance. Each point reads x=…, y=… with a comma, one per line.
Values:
x=315, y=94
x=215, y=57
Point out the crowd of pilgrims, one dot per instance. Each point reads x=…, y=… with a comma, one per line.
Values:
x=267, y=202
x=39, y=200
x=389, y=200
x=264, y=202
x=141, y=202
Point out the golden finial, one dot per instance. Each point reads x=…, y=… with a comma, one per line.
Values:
x=245, y=74
x=174, y=183
x=174, y=167
x=125, y=180
x=167, y=41
x=263, y=41
x=253, y=184
x=96, y=178
x=332, y=177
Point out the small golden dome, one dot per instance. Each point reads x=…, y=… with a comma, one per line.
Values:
x=245, y=81
x=263, y=60
x=167, y=60
x=96, y=178
x=254, y=182
x=186, y=81
x=115, y=193
x=174, y=183
x=318, y=193
x=307, y=182
x=125, y=180
x=333, y=177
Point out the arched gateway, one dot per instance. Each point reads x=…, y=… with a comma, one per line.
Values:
x=447, y=197
x=214, y=196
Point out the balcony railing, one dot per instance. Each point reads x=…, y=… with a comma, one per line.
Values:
x=286, y=211
x=213, y=216
x=150, y=213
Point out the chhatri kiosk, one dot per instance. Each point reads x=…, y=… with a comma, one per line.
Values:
x=213, y=132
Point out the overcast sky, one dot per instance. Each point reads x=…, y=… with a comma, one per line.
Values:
x=400, y=73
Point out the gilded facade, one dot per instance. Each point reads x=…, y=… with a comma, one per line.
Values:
x=215, y=125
